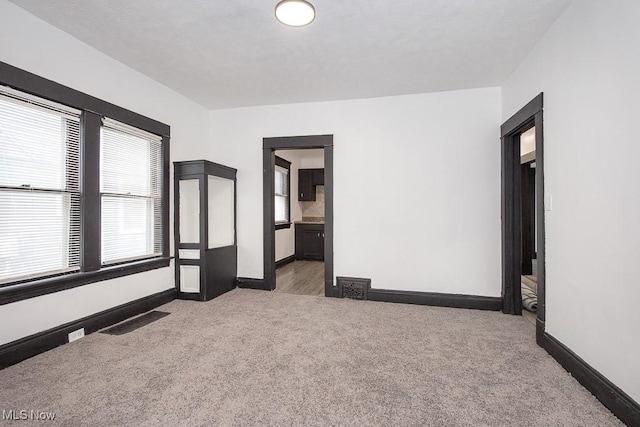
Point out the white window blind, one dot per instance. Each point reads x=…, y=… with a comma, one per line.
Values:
x=131, y=192
x=281, y=194
x=39, y=193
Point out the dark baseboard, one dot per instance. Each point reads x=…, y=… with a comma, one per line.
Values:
x=24, y=348
x=248, y=283
x=285, y=261
x=616, y=400
x=436, y=299
x=539, y=331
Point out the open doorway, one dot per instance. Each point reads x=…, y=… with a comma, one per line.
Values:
x=523, y=252
x=298, y=214
x=299, y=204
x=529, y=265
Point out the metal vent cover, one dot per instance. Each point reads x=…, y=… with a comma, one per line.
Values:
x=353, y=287
x=135, y=323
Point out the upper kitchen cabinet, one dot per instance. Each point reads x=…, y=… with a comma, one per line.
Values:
x=307, y=181
x=318, y=176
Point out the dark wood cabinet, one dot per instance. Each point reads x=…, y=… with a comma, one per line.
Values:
x=318, y=176
x=309, y=241
x=306, y=189
x=206, y=252
x=307, y=181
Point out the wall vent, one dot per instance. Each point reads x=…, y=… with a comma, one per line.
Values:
x=135, y=323
x=353, y=287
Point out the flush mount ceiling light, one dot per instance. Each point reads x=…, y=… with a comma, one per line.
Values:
x=295, y=13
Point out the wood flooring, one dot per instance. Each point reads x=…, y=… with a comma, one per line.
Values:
x=301, y=278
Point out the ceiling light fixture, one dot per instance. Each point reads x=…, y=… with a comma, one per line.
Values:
x=295, y=13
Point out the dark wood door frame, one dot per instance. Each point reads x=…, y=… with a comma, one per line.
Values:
x=269, y=146
x=530, y=115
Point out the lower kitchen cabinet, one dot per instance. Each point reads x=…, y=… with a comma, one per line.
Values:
x=309, y=241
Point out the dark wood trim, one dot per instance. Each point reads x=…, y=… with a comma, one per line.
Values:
x=204, y=237
x=36, y=288
x=193, y=169
x=176, y=232
x=516, y=122
x=285, y=261
x=90, y=203
x=616, y=400
x=540, y=327
x=186, y=245
x=436, y=299
x=24, y=348
x=329, y=289
x=166, y=183
x=511, y=218
x=269, y=231
x=540, y=223
x=30, y=83
x=282, y=225
x=268, y=164
x=530, y=115
x=295, y=142
x=283, y=163
x=249, y=283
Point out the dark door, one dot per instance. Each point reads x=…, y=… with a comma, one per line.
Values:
x=306, y=190
x=312, y=244
x=318, y=176
x=528, y=227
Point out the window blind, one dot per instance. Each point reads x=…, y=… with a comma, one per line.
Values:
x=131, y=191
x=39, y=187
x=281, y=194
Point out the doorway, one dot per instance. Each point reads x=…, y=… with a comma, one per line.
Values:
x=270, y=146
x=299, y=221
x=529, y=265
x=522, y=190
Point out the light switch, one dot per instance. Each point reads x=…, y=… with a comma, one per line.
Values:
x=548, y=202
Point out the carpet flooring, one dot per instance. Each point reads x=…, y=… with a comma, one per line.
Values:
x=266, y=358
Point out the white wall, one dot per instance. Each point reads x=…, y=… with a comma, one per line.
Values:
x=417, y=185
x=31, y=44
x=588, y=67
x=311, y=159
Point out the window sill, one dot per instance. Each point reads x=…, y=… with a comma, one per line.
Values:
x=282, y=225
x=35, y=288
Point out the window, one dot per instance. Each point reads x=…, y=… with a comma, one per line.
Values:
x=131, y=197
x=83, y=188
x=39, y=192
x=282, y=183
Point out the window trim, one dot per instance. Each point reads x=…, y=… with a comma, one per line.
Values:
x=286, y=165
x=93, y=109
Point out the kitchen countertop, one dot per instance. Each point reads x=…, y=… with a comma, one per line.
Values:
x=311, y=220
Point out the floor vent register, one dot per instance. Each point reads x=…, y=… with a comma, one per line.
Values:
x=353, y=287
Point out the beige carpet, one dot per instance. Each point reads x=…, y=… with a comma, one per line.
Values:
x=260, y=358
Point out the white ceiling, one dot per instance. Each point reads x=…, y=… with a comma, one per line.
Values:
x=225, y=54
